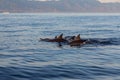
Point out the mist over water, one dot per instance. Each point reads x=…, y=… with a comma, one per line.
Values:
x=22, y=56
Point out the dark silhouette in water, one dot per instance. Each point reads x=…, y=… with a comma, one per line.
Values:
x=77, y=41
x=71, y=40
x=56, y=39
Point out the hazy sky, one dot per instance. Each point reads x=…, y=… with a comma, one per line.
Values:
x=43, y=0
x=106, y=1
x=102, y=1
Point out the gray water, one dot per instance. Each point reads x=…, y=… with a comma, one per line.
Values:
x=23, y=57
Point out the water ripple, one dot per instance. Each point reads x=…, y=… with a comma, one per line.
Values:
x=23, y=57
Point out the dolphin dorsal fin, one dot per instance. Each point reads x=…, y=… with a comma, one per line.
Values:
x=60, y=36
x=77, y=37
x=55, y=37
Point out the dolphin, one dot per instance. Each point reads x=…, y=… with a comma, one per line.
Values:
x=56, y=39
x=77, y=41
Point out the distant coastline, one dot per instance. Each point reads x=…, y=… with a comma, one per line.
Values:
x=5, y=12
x=63, y=6
x=91, y=14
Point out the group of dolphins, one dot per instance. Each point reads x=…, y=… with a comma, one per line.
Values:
x=70, y=40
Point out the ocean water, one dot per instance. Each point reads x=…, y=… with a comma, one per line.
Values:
x=24, y=57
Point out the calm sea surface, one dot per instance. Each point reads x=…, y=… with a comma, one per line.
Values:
x=23, y=57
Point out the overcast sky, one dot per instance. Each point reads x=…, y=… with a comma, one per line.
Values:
x=103, y=1
x=44, y=0
x=106, y=1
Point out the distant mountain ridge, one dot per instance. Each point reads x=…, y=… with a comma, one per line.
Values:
x=58, y=6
